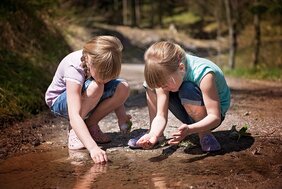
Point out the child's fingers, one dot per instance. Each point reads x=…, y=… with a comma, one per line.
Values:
x=142, y=144
x=147, y=145
x=142, y=141
x=177, y=134
x=182, y=128
x=173, y=141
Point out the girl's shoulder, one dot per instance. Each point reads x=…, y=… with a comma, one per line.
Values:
x=75, y=55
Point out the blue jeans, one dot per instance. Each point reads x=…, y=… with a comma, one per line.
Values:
x=60, y=106
x=189, y=93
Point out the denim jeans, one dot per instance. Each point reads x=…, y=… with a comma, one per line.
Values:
x=60, y=106
x=189, y=93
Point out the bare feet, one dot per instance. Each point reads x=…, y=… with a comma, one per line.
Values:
x=125, y=125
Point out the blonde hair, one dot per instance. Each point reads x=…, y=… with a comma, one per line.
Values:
x=104, y=54
x=161, y=60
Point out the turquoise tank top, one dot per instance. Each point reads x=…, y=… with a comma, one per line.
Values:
x=197, y=68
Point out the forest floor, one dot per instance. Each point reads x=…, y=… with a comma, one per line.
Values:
x=34, y=153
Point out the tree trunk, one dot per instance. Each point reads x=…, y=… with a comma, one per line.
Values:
x=138, y=12
x=116, y=13
x=133, y=14
x=124, y=12
x=218, y=31
x=232, y=34
x=257, y=40
x=160, y=13
x=152, y=22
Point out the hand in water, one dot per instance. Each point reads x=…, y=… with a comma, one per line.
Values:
x=98, y=155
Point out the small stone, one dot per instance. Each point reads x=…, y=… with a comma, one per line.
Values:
x=49, y=142
x=36, y=142
x=247, y=113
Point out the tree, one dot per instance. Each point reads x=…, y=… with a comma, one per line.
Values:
x=257, y=9
x=125, y=12
x=133, y=13
x=230, y=11
x=138, y=12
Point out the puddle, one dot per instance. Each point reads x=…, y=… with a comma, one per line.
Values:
x=70, y=169
x=127, y=169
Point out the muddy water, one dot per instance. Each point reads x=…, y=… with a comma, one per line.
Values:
x=131, y=169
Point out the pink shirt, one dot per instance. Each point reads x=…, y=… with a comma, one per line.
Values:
x=68, y=69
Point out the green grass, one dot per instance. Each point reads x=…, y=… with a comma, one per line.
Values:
x=185, y=18
x=270, y=62
x=22, y=85
x=264, y=74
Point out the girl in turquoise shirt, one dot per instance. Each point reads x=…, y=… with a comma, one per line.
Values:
x=192, y=88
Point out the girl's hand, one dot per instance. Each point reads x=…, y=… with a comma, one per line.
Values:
x=147, y=141
x=98, y=155
x=183, y=131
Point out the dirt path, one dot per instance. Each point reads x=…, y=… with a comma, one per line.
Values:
x=251, y=162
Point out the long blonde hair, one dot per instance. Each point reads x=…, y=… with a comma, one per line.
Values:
x=104, y=54
x=161, y=60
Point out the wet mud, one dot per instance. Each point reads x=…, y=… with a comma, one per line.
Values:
x=166, y=167
x=34, y=154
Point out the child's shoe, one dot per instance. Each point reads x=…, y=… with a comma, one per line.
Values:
x=125, y=128
x=132, y=142
x=74, y=142
x=98, y=135
x=209, y=143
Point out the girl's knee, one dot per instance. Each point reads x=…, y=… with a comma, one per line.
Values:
x=123, y=89
x=196, y=112
x=94, y=90
x=190, y=93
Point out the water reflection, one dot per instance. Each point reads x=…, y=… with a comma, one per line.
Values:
x=85, y=178
x=85, y=181
x=159, y=181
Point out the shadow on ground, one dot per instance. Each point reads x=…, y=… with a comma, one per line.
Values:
x=118, y=140
x=228, y=145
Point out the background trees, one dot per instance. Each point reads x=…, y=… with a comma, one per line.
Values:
x=199, y=19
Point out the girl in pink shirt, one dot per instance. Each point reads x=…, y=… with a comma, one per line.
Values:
x=85, y=89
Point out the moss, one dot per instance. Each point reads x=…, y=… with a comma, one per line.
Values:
x=30, y=48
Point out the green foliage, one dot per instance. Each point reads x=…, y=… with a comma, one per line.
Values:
x=30, y=46
x=185, y=18
x=236, y=135
x=258, y=8
x=254, y=73
x=270, y=62
x=22, y=87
